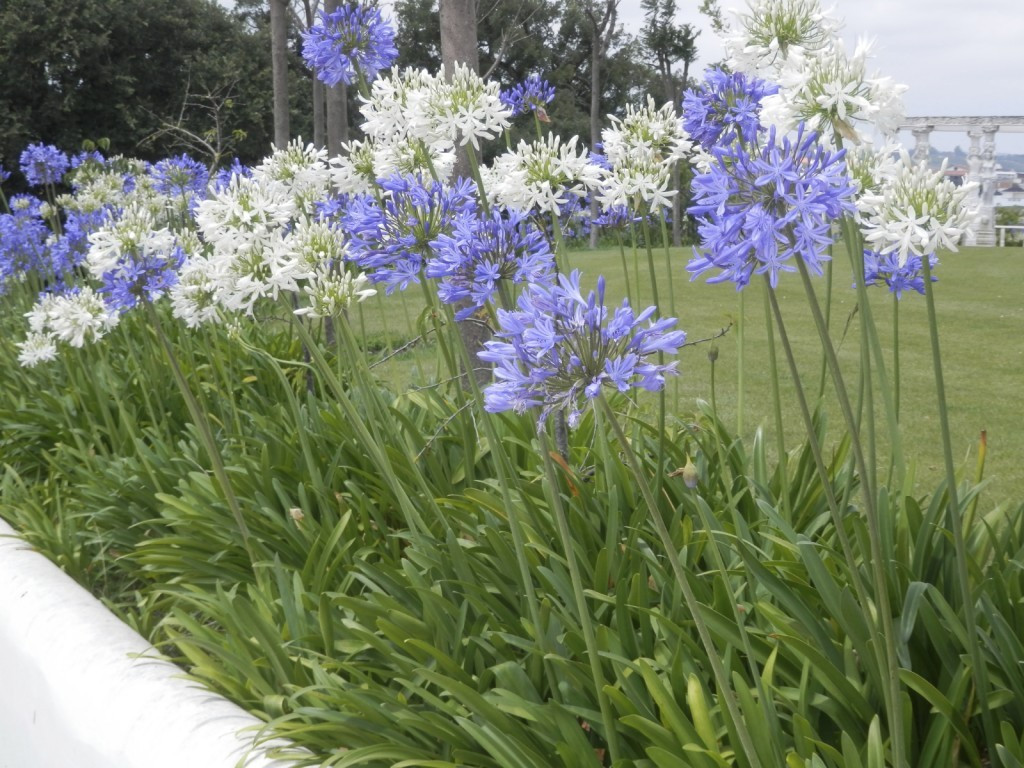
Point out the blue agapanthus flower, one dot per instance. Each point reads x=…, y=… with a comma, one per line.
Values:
x=147, y=276
x=24, y=239
x=529, y=96
x=222, y=178
x=391, y=239
x=760, y=205
x=68, y=251
x=353, y=40
x=4, y=174
x=725, y=106
x=180, y=177
x=43, y=164
x=483, y=254
x=559, y=348
x=885, y=268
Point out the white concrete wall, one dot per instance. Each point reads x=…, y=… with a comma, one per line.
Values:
x=74, y=692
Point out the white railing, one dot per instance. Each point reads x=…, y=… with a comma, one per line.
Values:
x=1001, y=228
x=79, y=688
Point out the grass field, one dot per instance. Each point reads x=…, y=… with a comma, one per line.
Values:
x=981, y=321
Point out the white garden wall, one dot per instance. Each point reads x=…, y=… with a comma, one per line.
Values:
x=78, y=691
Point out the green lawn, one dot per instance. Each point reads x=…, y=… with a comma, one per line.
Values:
x=981, y=321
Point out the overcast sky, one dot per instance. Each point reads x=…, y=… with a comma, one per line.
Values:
x=958, y=57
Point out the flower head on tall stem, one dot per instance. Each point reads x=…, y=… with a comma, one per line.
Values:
x=641, y=149
x=391, y=238
x=559, y=349
x=353, y=40
x=760, y=206
x=482, y=253
x=541, y=176
x=529, y=96
x=885, y=268
x=915, y=211
x=180, y=177
x=726, y=106
x=769, y=31
x=43, y=164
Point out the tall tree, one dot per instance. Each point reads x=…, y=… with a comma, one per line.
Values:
x=279, y=11
x=602, y=15
x=669, y=43
x=337, y=104
x=127, y=70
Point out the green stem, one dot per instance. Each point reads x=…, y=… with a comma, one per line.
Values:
x=780, y=436
x=721, y=677
x=739, y=366
x=955, y=521
x=589, y=637
x=202, y=423
x=893, y=691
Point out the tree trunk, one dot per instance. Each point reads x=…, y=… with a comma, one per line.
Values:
x=459, y=46
x=602, y=33
x=279, y=68
x=337, y=98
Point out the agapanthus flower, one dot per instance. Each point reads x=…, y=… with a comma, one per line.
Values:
x=355, y=39
x=559, y=349
x=541, y=176
x=724, y=107
x=300, y=169
x=484, y=255
x=761, y=205
x=915, y=211
x=529, y=96
x=4, y=174
x=770, y=31
x=180, y=177
x=386, y=112
x=462, y=109
x=24, y=240
x=36, y=348
x=87, y=158
x=133, y=258
x=195, y=298
x=885, y=268
x=391, y=238
x=43, y=164
x=829, y=90
x=222, y=178
x=642, y=148
x=76, y=317
x=330, y=291
x=246, y=212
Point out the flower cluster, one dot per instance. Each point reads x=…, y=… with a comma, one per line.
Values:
x=886, y=269
x=761, y=205
x=915, y=211
x=724, y=108
x=541, y=176
x=43, y=164
x=641, y=149
x=559, y=349
x=483, y=254
x=391, y=238
x=529, y=96
x=352, y=41
x=180, y=178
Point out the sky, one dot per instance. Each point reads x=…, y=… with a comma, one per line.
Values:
x=958, y=57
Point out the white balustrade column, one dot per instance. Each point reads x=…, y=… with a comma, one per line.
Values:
x=986, y=231
x=922, y=147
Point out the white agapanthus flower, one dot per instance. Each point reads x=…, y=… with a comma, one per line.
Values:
x=462, y=110
x=386, y=113
x=330, y=291
x=301, y=170
x=832, y=92
x=74, y=318
x=316, y=244
x=246, y=212
x=769, y=31
x=916, y=211
x=132, y=236
x=541, y=176
x=414, y=158
x=36, y=348
x=195, y=297
x=353, y=172
x=869, y=167
x=642, y=149
x=260, y=270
